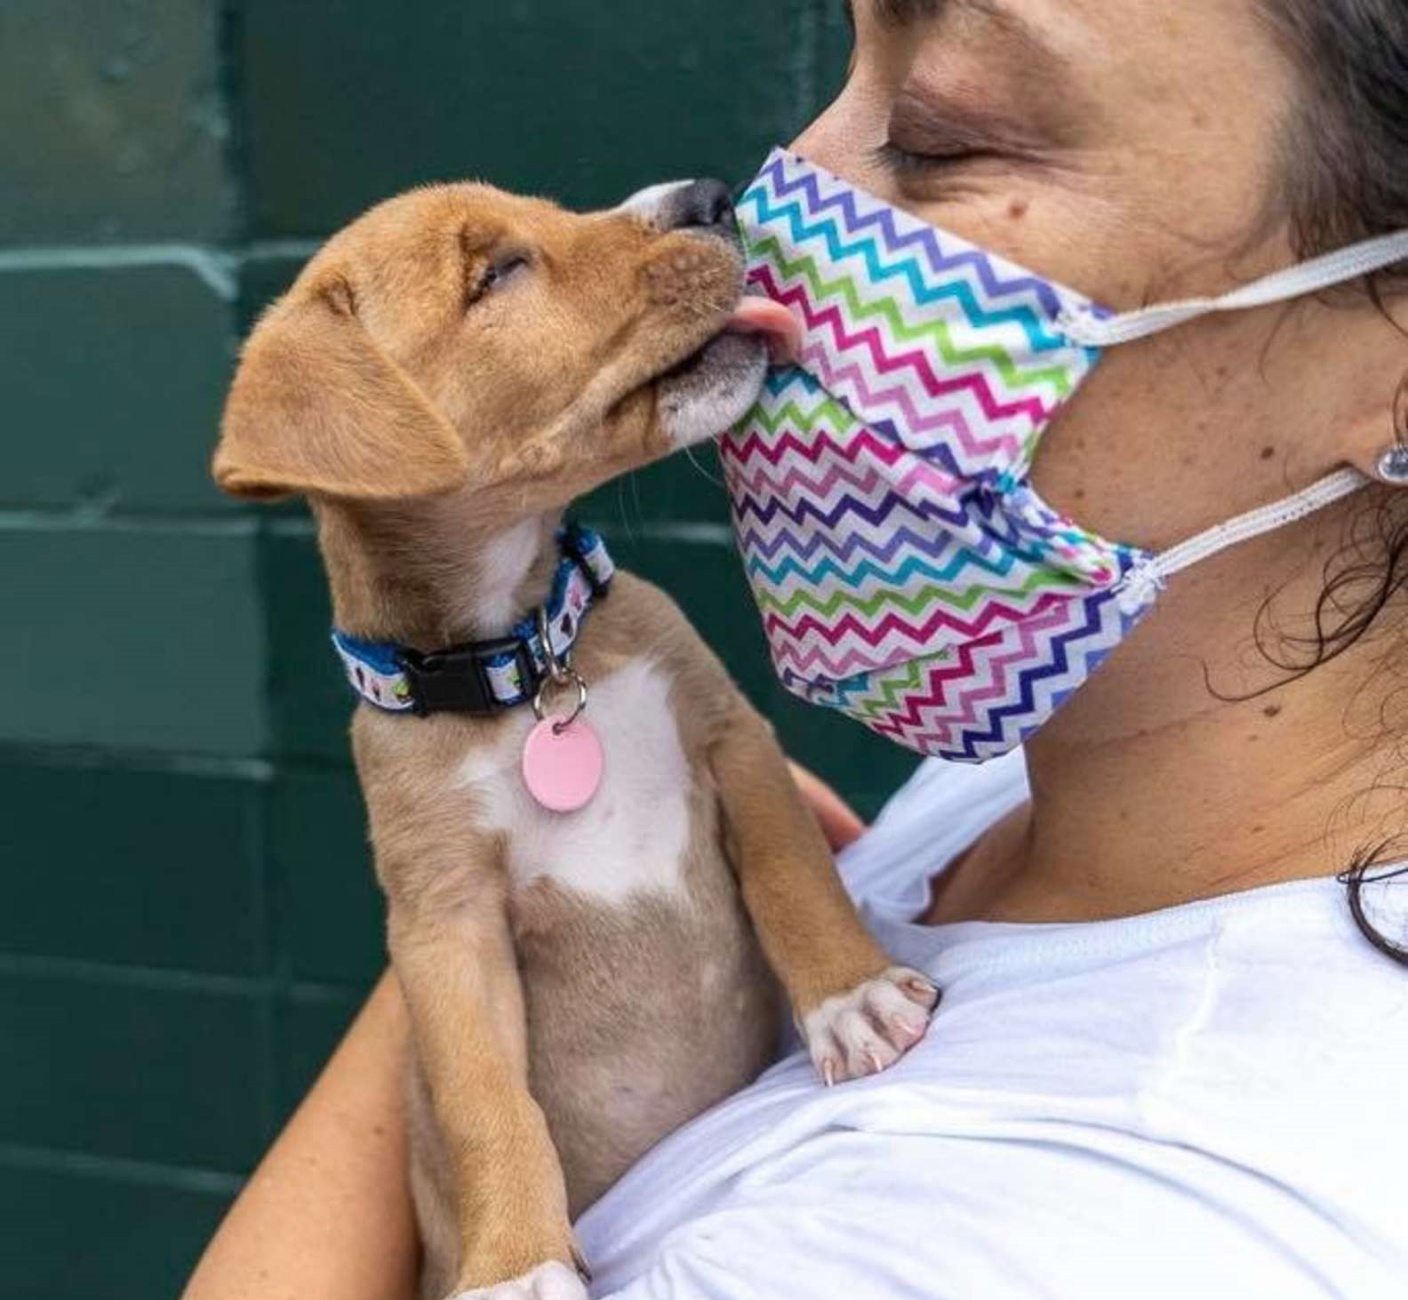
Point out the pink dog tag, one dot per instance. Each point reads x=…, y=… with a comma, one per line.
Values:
x=563, y=770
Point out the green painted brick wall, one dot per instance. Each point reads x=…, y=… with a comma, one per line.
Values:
x=188, y=917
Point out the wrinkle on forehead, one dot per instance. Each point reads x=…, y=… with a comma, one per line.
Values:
x=991, y=19
x=905, y=13
x=901, y=13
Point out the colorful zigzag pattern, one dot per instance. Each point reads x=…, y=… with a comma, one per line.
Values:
x=906, y=571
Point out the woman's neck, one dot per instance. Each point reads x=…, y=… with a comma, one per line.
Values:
x=1175, y=774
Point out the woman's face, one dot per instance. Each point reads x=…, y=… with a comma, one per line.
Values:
x=1133, y=150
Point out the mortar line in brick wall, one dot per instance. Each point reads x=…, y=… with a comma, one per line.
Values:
x=693, y=534
x=280, y=250
x=144, y=1173
x=217, y=267
x=71, y=519
x=805, y=58
x=270, y=959
x=151, y=762
x=26, y=519
x=258, y=865
x=171, y=979
x=296, y=527
x=77, y=519
x=235, y=146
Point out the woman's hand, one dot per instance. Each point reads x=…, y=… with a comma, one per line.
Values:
x=839, y=821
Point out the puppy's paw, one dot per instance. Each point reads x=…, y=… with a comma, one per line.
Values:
x=550, y=1281
x=868, y=1029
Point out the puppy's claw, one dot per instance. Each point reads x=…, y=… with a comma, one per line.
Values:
x=868, y=1029
x=904, y=1032
x=924, y=991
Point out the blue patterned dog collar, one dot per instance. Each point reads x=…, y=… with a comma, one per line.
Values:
x=484, y=677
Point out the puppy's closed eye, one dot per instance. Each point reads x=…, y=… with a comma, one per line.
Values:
x=502, y=269
x=489, y=269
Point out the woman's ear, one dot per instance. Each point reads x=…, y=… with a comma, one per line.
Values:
x=317, y=407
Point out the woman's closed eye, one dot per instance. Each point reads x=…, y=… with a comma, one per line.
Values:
x=901, y=161
x=928, y=133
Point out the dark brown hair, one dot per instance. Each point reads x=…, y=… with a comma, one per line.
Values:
x=1346, y=169
x=1345, y=178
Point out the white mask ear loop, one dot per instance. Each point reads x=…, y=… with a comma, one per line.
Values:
x=1146, y=579
x=1089, y=330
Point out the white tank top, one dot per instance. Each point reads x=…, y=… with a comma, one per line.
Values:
x=1204, y=1103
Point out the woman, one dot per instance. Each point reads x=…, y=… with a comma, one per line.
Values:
x=1170, y=1038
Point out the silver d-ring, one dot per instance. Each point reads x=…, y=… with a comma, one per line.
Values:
x=561, y=724
x=558, y=669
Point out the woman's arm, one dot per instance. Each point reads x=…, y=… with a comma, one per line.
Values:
x=839, y=822
x=327, y=1215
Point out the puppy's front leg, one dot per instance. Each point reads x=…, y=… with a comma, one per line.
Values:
x=460, y=981
x=857, y=1011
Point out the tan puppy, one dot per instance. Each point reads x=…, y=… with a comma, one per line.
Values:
x=444, y=378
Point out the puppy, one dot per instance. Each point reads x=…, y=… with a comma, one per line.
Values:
x=589, y=941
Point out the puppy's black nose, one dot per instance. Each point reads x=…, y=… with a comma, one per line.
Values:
x=706, y=204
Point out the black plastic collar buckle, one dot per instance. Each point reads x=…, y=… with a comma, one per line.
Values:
x=456, y=681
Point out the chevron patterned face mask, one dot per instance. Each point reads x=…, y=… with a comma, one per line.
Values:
x=907, y=572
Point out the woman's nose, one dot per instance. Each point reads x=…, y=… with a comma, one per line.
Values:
x=832, y=140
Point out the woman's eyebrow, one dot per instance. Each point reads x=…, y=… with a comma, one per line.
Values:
x=1004, y=20
x=902, y=13
x=906, y=13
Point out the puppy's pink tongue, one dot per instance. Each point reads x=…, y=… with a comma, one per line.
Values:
x=776, y=323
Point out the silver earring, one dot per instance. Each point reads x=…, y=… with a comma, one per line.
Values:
x=1393, y=466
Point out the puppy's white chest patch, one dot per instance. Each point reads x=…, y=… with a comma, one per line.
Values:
x=634, y=834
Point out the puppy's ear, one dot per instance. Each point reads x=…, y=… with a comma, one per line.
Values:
x=317, y=407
